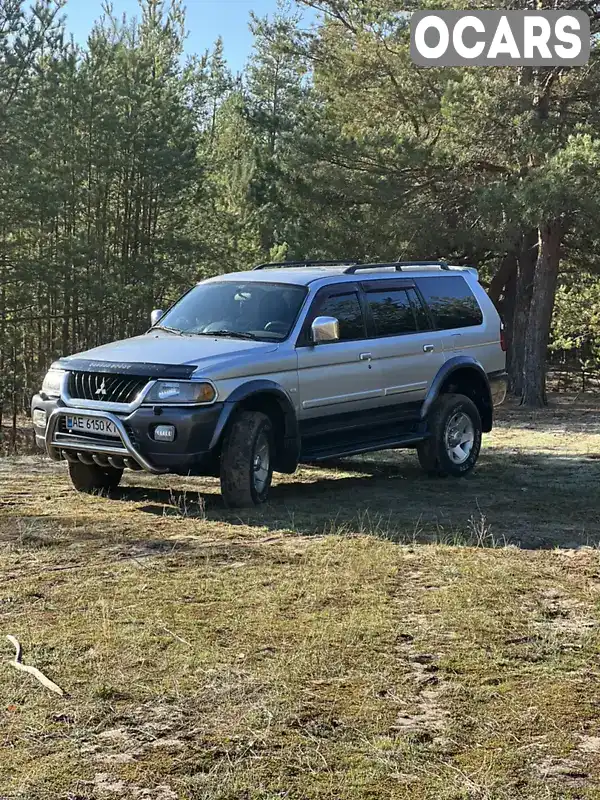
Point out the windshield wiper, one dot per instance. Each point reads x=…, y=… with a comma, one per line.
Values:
x=232, y=334
x=168, y=329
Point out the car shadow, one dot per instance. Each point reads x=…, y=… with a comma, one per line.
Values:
x=530, y=499
x=169, y=502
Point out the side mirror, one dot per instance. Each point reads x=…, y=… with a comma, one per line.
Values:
x=156, y=316
x=325, y=329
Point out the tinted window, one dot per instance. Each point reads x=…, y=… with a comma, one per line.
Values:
x=254, y=309
x=422, y=317
x=451, y=301
x=392, y=312
x=345, y=308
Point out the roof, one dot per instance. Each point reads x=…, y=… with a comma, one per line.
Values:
x=303, y=276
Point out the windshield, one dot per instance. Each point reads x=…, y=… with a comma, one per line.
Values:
x=255, y=310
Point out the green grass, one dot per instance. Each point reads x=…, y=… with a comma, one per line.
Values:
x=369, y=634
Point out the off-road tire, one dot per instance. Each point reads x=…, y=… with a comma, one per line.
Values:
x=93, y=479
x=433, y=454
x=238, y=459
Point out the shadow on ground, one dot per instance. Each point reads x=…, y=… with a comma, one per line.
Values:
x=536, y=486
x=534, y=500
x=565, y=413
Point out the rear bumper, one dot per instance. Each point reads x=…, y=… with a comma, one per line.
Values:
x=197, y=436
x=498, y=387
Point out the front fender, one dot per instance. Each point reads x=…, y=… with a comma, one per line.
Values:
x=289, y=448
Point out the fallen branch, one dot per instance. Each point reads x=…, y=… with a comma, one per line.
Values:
x=175, y=636
x=39, y=676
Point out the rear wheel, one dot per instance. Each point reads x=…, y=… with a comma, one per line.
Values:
x=247, y=460
x=93, y=479
x=455, y=437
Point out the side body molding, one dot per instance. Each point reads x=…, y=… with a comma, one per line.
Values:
x=288, y=448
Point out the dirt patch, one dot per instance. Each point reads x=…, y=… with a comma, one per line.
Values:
x=105, y=786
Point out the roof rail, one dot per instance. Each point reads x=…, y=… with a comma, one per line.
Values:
x=398, y=265
x=294, y=264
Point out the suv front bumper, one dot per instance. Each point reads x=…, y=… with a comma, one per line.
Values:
x=197, y=434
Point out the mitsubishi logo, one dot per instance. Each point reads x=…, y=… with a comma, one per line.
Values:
x=101, y=392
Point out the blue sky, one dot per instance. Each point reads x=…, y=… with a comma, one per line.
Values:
x=206, y=20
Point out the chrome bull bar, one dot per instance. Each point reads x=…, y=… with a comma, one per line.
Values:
x=57, y=442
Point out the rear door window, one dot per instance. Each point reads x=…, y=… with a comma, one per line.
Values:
x=452, y=303
x=421, y=313
x=392, y=311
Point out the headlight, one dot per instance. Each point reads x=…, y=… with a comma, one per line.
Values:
x=52, y=382
x=40, y=418
x=178, y=392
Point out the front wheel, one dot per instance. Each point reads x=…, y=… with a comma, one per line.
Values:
x=93, y=479
x=455, y=437
x=247, y=460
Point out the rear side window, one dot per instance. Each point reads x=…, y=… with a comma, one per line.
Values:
x=347, y=310
x=451, y=301
x=422, y=317
x=392, y=312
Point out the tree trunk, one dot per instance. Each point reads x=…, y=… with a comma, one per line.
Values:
x=527, y=260
x=540, y=315
x=503, y=276
x=502, y=292
x=507, y=312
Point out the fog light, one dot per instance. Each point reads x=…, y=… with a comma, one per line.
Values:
x=39, y=418
x=164, y=433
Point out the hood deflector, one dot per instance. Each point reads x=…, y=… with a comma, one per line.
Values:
x=169, y=371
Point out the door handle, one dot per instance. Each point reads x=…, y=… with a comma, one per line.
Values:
x=428, y=348
x=365, y=356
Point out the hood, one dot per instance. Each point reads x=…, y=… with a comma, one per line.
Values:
x=202, y=355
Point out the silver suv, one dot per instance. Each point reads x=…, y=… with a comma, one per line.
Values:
x=289, y=363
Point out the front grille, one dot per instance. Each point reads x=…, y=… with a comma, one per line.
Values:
x=105, y=388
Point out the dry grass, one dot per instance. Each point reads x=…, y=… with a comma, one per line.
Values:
x=370, y=634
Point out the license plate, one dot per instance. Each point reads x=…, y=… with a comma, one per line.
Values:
x=94, y=425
